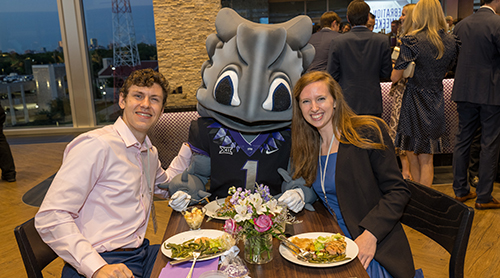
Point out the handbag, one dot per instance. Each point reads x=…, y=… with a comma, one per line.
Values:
x=408, y=73
x=395, y=53
x=411, y=67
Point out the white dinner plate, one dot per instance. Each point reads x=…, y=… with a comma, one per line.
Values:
x=351, y=251
x=212, y=207
x=185, y=236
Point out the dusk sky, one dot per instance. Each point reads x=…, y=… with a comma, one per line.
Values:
x=34, y=24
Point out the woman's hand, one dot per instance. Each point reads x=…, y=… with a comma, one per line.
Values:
x=367, y=244
x=396, y=75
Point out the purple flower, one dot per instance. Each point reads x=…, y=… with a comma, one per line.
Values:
x=264, y=192
x=230, y=226
x=263, y=223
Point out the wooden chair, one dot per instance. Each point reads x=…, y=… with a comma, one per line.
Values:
x=443, y=219
x=36, y=254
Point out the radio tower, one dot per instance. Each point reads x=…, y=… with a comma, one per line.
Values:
x=125, y=51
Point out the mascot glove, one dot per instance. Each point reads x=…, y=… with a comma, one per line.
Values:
x=179, y=201
x=294, y=199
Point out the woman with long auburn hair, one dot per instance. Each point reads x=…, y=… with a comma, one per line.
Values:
x=422, y=120
x=350, y=163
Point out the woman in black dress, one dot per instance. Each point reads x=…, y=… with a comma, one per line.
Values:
x=422, y=120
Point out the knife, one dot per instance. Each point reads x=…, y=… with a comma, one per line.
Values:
x=176, y=262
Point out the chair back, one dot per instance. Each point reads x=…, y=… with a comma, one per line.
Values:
x=443, y=219
x=35, y=252
x=169, y=132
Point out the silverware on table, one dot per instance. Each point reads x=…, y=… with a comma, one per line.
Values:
x=301, y=254
x=176, y=262
x=196, y=254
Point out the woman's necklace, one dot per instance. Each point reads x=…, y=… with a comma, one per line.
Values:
x=322, y=174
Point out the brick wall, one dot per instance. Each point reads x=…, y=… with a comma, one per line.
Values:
x=182, y=28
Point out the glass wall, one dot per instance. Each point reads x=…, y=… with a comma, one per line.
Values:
x=33, y=80
x=120, y=38
x=281, y=10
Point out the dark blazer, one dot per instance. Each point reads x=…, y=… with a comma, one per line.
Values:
x=477, y=77
x=358, y=60
x=321, y=41
x=372, y=195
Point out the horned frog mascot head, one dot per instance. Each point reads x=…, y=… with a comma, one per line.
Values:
x=248, y=80
x=245, y=104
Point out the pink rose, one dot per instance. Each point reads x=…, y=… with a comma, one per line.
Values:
x=263, y=223
x=230, y=226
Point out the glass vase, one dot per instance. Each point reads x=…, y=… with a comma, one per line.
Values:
x=258, y=248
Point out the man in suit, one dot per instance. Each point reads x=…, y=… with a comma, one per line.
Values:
x=477, y=93
x=393, y=35
x=358, y=60
x=330, y=23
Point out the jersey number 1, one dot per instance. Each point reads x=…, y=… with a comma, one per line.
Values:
x=251, y=169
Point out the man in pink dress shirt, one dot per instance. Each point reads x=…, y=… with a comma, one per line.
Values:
x=96, y=211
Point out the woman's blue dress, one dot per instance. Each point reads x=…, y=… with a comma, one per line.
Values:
x=375, y=270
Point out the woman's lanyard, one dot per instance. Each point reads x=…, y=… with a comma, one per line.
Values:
x=322, y=174
x=150, y=188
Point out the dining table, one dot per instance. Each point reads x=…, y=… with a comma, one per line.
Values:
x=319, y=220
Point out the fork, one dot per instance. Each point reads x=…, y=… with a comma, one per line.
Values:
x=196, y=254
x=301, y=254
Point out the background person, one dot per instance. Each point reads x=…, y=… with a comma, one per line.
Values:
x=358, y=60
x=422, y=120
x=476, y=91
x=96, y=211
x=331, y=146
x=345, y=27
x=449, y=23
x=370, y=24
x=397, y=91
x=394, y=34
x=330, y=23
x=6, y=160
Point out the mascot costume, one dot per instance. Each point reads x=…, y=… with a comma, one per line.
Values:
x=245, y=103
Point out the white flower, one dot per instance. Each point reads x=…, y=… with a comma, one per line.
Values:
x=273, y=206
x=258, y=203
x=242, y=213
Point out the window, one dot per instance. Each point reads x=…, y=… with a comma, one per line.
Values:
x=33, y=81
x=121, y=38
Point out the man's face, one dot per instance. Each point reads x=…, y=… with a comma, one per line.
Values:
x=394, y=28
x=141, y=108
x=370, y=23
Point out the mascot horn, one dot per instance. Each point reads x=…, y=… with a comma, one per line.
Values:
x=245, y=104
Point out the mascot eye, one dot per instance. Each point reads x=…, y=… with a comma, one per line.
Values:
x=279, y=98
x=226, y=89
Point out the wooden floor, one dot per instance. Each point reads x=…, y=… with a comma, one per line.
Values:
x=36, y=162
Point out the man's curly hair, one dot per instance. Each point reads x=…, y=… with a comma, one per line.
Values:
x=146, y=78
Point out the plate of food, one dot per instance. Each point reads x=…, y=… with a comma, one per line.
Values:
x=218, y=208
x=211, y=243
x=328, y=249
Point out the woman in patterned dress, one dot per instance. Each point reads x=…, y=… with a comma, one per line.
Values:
x=397, y=90
x=422, y=121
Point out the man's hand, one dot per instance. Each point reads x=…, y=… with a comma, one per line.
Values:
x=294, y=199
x=179, y=201
x=367, y=244
x=113, y=271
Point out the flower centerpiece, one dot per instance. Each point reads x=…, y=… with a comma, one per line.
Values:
x=255, y=218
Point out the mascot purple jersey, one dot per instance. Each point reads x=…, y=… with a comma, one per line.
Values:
x=245, y=104
x=236, y=161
